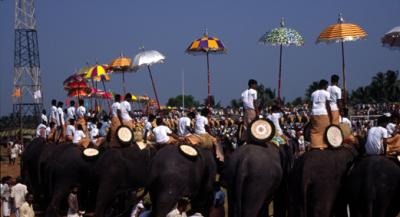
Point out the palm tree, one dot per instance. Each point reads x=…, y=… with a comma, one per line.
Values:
x=266, y=96
x=311, y=88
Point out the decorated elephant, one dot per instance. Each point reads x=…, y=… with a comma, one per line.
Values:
x=316, y=182
x=373, y=187
x=174, y=175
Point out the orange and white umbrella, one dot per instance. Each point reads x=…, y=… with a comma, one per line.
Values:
x=342, y=32
x=121, y=64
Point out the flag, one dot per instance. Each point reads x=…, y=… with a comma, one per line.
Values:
x=37, y=94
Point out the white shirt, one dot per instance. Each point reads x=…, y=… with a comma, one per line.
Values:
x=114, y=108
x=336, y=94
x=94, y=133
x=248, y=97
x=175, y=213
x=81, y=111
x=125, y=109
x=71, y=112
x=53, y=113
x=319, y=99
x=78, y=135
x=183, y=123
x=346, y=121
x=39, y=128
x=275, y=117
x=44, y=118
x=70, y=130
x=60, y=117
x=391, y=128
x=200, y=123
x=18, y=192
x=161, y=134
x=374, y=144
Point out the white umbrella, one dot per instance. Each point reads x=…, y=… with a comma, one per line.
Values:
x=148, y=58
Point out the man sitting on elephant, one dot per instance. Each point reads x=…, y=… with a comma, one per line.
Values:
x=164, y=134
x=377, y=138
x=275, y=117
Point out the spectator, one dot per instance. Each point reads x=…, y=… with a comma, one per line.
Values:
x=180, y=210
x=73, y=206
x=18, y=193
x=6, y=196
x=26, y=209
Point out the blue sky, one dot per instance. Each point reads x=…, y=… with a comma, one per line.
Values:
x=75, y=31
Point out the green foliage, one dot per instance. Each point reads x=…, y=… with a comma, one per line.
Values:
x=177, y=101
x=266, y=96
x=311, y=88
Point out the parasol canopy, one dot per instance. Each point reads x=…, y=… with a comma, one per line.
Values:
x=76, y=85
x=122, y=64
x=73, y=78
x=207, y=45
x=79, y=92
x=148, y=58
x=342, y=32
x=98, y=73
x=282, y=36
x=392, y=38
x=97, y=93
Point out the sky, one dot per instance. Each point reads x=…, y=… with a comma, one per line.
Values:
x=74, y=32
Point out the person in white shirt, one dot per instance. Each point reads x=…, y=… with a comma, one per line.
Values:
x=320, y=118
x=69, y=134
x=26, y=209
x=163, y=134
x=377, y=138
x=249, y=97
x=41, y=130
x=336, y=99
x=275, y=117
x=53, y=111
x=148, y=127
x=79, y=137
x=60, y=122
x=80, y=114
x=116, y=119
x=5, y=196
x=44, y=117
x=18, y=193
x=180, y=210
x=184, y=126
x=71, y=110
x=126, y=111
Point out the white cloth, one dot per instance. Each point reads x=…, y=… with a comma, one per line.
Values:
x=161, y=134
x=275, y=117
x=60, y=117
x=391, y=128
x=18, y=192
x=175, y=213
x=80, y=112
x=94, y=133
x=200, y=125
x=374, y=144
x=39, y=127
x=71, y=112
x=44, y=118
x=248, y=97
x=48, y=130
x=336, y=94
x=5, y=205
x=125, y=109
x=70, y=130
x=53, y=113
x=114, y=108
x=345, y=120
x=26, y=210
x=14, y=151
x=319, y=99
x=183, y=123
x=78, y=135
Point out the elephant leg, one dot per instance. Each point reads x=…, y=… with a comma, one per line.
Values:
x=164, y=201
x=105, y=194
x=280, y=201
x=321, y=201
x=254, y=197
x=60, y=191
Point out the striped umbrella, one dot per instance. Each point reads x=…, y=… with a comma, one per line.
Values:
x=342, y=32
x=99, y=72
x=207, y=45
x=76, y=85
x=73, y=78
x=282, y=36
x=121, y=65
x=392, y=38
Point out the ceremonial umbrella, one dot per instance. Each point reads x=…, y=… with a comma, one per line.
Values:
x=97, y=93
x=99, y=73
x=121, y=65
x=207, y=45
x=73, y=78
x=342, y=32
x=282, y=36
x=79, y=92
x=148, y=58
x=392, y=38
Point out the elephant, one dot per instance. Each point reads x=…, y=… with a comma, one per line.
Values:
x=54, y=168
x=174, y=176
x=373, y=187
x=316, y=182
x=252, y=175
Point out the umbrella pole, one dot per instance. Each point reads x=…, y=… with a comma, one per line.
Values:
x=154, y=87
x=123, y=82
x=280, y=76
x=344, y=77
x=208, y=82
x=105, y=91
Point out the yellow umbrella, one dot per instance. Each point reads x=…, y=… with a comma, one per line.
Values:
x=121, y=64
x=342, y=32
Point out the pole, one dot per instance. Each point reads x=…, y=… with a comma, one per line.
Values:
x=183, y=89
x=209, y=82
x=344, y=77
x=154, y=87
x=280, y=75
x=123, y=82
x=105, y=91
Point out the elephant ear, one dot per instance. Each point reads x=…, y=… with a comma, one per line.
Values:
x=334, y=136
x=124, y=135
x=261, y=130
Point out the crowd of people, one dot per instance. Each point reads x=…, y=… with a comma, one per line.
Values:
x=15, y=198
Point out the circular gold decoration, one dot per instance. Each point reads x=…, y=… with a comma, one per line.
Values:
x=188, y=151
x=262, y=130
x=90, y=152
x=124, y=135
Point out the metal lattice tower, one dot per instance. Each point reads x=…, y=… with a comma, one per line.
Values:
x=27, y=93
